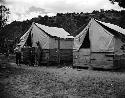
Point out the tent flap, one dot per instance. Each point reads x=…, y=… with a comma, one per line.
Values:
x=78, y=40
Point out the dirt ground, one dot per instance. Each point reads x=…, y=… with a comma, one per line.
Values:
x=64, y=82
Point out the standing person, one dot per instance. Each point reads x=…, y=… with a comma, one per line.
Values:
x=39, y=52
x=32, y=58
x=18, y=55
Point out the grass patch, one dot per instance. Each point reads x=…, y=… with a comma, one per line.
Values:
x=64, y=83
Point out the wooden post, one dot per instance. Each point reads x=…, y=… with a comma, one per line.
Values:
x=90, y=67
x=59, y=51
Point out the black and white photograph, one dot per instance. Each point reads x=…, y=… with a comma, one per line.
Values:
x=62, y=49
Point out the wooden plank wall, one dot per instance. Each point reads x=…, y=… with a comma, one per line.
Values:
x=81, y=58
x=119, y=61
x=52, y=55
x=102, y=60
x=84, y=58
x=45, y=56
x=26, y=55
x=49, y=55
x=66, y=55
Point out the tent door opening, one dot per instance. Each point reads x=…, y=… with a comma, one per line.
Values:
x=86, y=42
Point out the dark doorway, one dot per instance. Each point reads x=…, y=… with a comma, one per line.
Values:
x=86, y=42
x=29, y=40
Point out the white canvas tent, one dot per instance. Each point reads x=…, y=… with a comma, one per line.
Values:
x=55, y=43
x=103, y=38
x=45, y=36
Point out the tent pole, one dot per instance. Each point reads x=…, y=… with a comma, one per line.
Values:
x=90, y=66
x=59, y=51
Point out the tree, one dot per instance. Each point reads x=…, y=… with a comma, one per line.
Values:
x=120, y=2
x=4, y=14
x=69, y=24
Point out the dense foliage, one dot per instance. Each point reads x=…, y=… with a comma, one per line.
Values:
x=4, y=13
x=120, y=2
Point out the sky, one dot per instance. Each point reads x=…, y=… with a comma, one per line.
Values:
x=27, y=9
